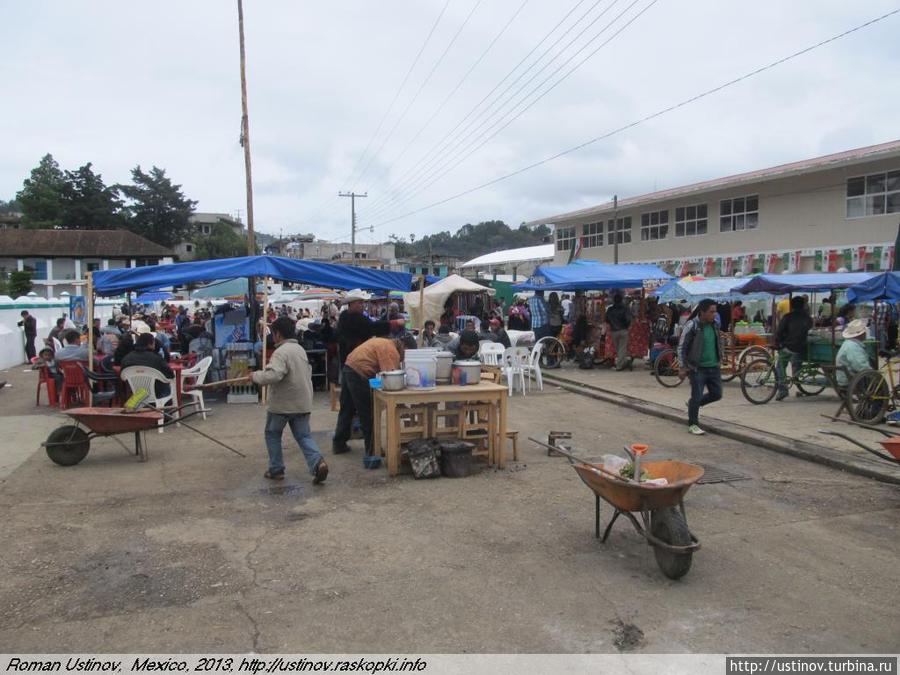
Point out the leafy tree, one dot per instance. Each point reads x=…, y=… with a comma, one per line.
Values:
x=157, y=209
x=471, y=241
x=88, y=204
x=221, y=242
x=12, y=206
x=19, y=283
x=41, y=196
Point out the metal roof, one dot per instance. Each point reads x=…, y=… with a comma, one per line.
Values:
x=513, y=255
x=833, y=161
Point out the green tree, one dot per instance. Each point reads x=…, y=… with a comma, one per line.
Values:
x=221, y=242
x=12, y=206
x=19, y=284
x=156, y=208
x=88, y=204
x=41, y=196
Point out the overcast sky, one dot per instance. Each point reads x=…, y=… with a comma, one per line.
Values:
x=119, y=84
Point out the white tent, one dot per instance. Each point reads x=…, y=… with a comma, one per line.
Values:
x=436, y=295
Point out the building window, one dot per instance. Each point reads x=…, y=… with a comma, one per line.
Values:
x=189, y=248
x=690, y=221
x=593, y=234
x=93, y=267
x=873, y=195
x=38, y=269
x=741, y=213
x=205, y=229
x=622, y=230
x=565, y=238
x=654, y=225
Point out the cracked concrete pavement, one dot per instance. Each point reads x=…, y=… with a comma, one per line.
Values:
x=195, y=551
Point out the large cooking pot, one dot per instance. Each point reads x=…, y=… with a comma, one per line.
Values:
x=393, y=380
x=444, y=365
x=466, y=372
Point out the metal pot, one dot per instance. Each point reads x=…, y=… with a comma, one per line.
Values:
x=444, y=365
x=393, y=380
x=466, y=372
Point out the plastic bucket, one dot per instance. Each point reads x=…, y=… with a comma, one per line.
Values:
x=421, y=370
x=456, y=459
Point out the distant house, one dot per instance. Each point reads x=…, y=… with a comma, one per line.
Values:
x=434, y=265
x=59, y=259
x=203, y=225
x=10, y=221
x=516, y=262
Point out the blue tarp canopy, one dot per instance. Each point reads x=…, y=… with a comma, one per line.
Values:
x=326, y=275
x=694, y=290
x=227, y=288
x=884, y=286
x=779, y=284
x=154, y=296
x=590, y=276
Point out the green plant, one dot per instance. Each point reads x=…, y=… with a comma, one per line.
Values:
x=19, y=283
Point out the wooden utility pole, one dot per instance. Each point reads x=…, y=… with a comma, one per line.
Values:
x=245, y=135
x=353, y=197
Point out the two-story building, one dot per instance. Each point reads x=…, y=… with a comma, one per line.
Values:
x=59, y=259
x=821, y=214
x=434, y=265
x=203, y=224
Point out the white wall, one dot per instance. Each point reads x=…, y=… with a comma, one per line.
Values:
x=12, y=339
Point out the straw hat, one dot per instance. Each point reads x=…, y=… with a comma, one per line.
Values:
x=854, y=329
x=138, y=327
x=356, y=295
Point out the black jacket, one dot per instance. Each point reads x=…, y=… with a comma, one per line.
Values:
x=792, y=331
x=352, y=330
x=148, y=359
x=618, y=317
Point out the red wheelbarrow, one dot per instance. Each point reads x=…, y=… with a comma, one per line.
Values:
x=69, y=444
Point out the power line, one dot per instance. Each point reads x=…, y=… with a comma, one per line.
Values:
x=440, y=169
x=473, y=146
x=647, y=118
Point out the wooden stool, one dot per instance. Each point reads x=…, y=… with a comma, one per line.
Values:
x=412, y=422
x=477, y=426
x=444, y=423
x=335, y=397
x=513, y=435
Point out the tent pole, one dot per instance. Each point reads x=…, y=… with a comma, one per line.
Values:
x=264, y=394
x=422, y=310
x=90, y=313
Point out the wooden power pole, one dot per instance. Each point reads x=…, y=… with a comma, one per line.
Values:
x=353, y=197
x=245, y=135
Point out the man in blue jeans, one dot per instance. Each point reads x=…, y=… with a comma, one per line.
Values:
x=700, y=356
x=289, y=378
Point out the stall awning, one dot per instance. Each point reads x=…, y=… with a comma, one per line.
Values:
x=436, y=295
x=885, y=286
x=591, y=276
x=327, y=275
x=780, y=284
x=694, y=290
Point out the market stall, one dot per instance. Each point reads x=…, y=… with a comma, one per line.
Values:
x=454, y=288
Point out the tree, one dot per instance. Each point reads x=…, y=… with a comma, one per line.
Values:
x=41, y=196
x=221, y=242
x=157, y=209
x=88, y=204
x=19, y=283
x=12, y=206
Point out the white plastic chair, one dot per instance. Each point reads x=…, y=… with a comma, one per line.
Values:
x=515, y=359
x=533, y=367
x=193, y=377
x=142, y=377
x=57, y=345
x=491, y=353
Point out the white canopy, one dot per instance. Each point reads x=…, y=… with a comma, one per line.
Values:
x=513, y=255
x=436, y=295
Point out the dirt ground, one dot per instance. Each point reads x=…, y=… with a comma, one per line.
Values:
x=195, y=551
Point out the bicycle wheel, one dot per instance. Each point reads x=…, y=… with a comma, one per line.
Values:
x=758, y=384
x=665, y=368
x=752, y=353
x=811, y=380
x=868, y=397
x=553, y=353
x=728, y=370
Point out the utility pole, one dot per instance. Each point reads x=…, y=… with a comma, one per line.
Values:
x=615, y=229
x=245, y=135
x=353, y=196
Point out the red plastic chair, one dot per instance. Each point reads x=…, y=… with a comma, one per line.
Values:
x=75, y=388
x=45, y=379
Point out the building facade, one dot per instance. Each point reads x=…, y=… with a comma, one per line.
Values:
x=203, y=225
x=823, y=214
x=434, y=265
x=59, y=259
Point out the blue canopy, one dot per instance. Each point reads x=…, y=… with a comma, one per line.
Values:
x=884, y=286
x=694, y=290
x=326, y=275
x=584, y=275
x=154, y=296
x=779, y=284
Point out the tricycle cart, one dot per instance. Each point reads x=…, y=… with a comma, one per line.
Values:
x=663, y=522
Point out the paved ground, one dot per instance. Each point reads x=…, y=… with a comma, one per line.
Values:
x=194, y=550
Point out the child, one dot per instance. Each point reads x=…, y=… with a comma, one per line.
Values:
x=45, y=359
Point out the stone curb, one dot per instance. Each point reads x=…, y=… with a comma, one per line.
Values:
x=811, y=452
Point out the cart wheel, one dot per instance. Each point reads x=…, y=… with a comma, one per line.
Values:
x=667, y=525
x=811, y=380
x=758, y=383
x=67, y=445
x=868, y=397
x=752, y=353
x=728, y=371
x=553, y=353
x=665, y=368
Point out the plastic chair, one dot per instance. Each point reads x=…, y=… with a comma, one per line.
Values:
x=192, y=377
x=75, y=387
x=97, y=383
x=57, y=345
x=533, y=367
x=515, y=359
x=45, y=379
x=142, y=377
x=491, y=353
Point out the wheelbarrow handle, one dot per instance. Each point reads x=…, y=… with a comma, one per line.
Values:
x=829, y=432
x=889, y=434
x=586, y=463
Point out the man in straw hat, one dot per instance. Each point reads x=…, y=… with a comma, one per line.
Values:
x=353, y=327
x=852, y=357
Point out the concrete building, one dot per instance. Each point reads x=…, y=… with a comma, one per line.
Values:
x=59, y=259
x=434, y=265
x=306, y=247
x=821, y=214
x=515, y=263
x=203, y=224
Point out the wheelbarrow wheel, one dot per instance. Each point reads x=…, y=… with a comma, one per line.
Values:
x=868, y=397
x=67, y=445
x=667, y=525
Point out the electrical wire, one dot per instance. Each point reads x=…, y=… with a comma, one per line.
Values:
x=642, y=120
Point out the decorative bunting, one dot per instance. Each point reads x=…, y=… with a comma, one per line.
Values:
x=710, y=267
x=771, y=263
x=820, y=261
x=727, y=267
x=747, y=263
x=832, y=260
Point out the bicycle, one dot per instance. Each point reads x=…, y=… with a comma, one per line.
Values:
x=759, y=382
x=667, y=369
x=872, y=393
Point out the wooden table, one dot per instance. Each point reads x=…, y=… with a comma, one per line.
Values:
x=387, y=401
